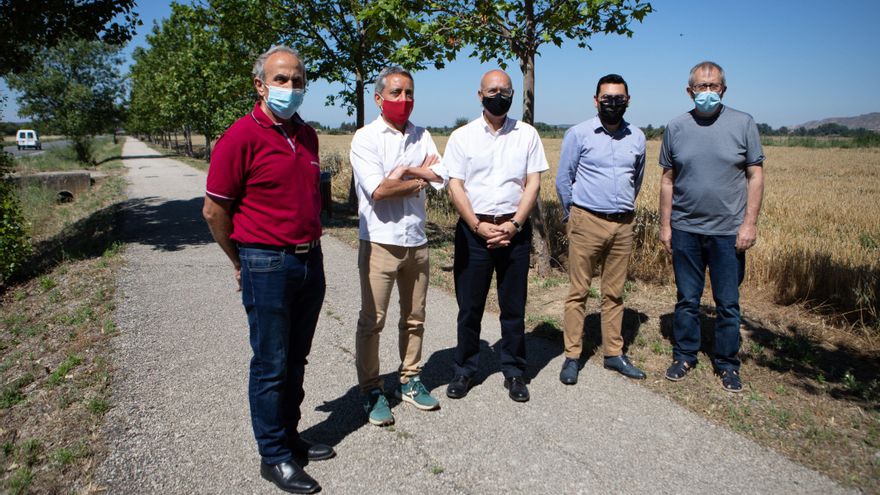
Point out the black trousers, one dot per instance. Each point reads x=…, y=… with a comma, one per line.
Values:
x=473, y=269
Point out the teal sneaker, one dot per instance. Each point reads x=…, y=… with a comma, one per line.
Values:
x=415, y=393
x=376, y=407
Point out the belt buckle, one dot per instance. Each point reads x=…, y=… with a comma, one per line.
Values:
x=301, y=248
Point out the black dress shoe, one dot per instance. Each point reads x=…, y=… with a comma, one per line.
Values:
x=311, y=451
x=289, y=477
x=458, y=387
x=517, y=388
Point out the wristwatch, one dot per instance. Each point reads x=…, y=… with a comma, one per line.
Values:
x=516, y=224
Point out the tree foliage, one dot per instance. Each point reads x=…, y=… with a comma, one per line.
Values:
x=14, y=244
x=27, y=27
x=190, y=77
x=72, y=89
x=341, y=41
x=500, y=31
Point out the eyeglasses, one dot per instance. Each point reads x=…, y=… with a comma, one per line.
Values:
x=505, y=92
x=614, y=99
x=707, y=87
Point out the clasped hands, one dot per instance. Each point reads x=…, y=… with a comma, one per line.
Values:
x=496, y=236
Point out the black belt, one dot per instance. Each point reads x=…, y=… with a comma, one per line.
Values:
x=620, y=216
x=495, y=219
x=294, y=249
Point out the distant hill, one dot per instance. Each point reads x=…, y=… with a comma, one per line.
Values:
x=870, y=121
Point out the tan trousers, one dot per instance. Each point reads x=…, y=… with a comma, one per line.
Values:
x=594, y=242
x=380, y=265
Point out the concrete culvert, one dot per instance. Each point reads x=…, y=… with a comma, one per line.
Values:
x=64, y=197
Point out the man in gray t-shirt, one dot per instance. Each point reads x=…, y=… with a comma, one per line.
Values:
x=710, y=198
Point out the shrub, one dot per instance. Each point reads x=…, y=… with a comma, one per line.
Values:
x=14, y=240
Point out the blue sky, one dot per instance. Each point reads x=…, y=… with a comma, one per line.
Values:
x=787, y=62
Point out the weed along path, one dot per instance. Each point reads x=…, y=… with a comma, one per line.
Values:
x=180, y=423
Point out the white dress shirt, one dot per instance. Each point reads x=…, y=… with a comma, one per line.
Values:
x=376, y=150
x=494, y=165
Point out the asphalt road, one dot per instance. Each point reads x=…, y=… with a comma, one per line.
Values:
x=180, y=419
x=28, y=152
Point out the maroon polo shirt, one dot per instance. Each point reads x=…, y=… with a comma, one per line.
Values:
x=272, y=179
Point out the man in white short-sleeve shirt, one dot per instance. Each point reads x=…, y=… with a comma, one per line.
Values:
x=393, y=161
x=495, y=166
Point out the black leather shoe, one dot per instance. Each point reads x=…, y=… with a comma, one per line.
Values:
x=289, y=477
x=458, y=387
x=311, y=451
x=622, y=365
x=517, y=388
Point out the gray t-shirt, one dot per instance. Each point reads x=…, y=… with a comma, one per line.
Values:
x=709, y=158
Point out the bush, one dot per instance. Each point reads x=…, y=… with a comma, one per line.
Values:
x=14, y=240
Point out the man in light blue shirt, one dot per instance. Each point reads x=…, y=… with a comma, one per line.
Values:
x=600, y=173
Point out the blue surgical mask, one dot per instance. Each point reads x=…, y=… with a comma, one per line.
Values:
x=707, y=102
x=284, y=102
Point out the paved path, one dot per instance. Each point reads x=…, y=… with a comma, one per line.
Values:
x=180, y=422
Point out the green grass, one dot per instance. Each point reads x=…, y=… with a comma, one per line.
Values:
x=63, y=369
x=98, y=406
x=12, y=394
x=20, y=481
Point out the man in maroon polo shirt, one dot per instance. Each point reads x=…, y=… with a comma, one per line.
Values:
x=262, y=205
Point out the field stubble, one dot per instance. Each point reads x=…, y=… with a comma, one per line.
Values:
x=818, y=238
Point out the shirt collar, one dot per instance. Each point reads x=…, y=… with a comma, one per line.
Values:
x=508, y=124
x=264, y=120
x=596, y=125
x=408, y=129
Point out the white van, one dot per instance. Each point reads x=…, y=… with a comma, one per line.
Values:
x=27, y=138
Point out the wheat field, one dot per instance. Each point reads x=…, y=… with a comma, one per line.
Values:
x=818, y=233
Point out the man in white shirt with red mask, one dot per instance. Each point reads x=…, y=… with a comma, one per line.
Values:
x=393, y=162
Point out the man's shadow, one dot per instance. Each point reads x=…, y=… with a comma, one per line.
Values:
x=632, y=322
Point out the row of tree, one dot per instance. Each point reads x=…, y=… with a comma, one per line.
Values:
x=194, y=76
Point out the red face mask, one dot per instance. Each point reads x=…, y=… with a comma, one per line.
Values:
x=397, y=112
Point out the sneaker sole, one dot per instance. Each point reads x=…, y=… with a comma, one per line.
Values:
x=673, y=379
x=410, y=400
x=732, y=390
x=381, y=423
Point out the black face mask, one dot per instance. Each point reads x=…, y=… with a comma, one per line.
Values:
x=610, y=113
x=497, y=105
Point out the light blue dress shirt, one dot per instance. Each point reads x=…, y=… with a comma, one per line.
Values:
x=600, y=171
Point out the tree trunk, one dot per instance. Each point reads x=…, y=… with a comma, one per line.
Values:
x=187, y=138
x=539, y=236
x=359, y=108
x=208, y=139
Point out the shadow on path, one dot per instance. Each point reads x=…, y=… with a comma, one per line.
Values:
x=849, y=374
x=167, y=226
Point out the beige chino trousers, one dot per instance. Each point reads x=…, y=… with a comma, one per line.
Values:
x=380, y=266
x=594, y=242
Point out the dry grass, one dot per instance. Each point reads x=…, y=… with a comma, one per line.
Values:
x=812, y=390
x=55, y=327
x=819, y=231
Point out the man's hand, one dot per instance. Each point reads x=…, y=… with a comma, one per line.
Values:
x=666, y=237
x=746, y=237
x=424, y=171
x=496, y=236
x=237, y=275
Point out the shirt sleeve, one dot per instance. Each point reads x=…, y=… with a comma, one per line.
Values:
x=537, y=161
x=640, y=168
x=366, y=164
x=227, y=170
x=665, y=148
x=754, y=151
x=569, y=157
x=438, y=168
x=454, y=158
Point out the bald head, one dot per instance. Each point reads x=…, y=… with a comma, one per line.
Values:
x=495, y=79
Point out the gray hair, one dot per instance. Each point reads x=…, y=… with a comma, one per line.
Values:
x=706, y=65
x=388, y=71
x=259, y=71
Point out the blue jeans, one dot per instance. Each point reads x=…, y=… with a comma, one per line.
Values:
x=282, y=294
x=473, y=267
x=691, y=254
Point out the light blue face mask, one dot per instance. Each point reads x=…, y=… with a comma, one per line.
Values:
x=284, y=102
x=707, y=102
